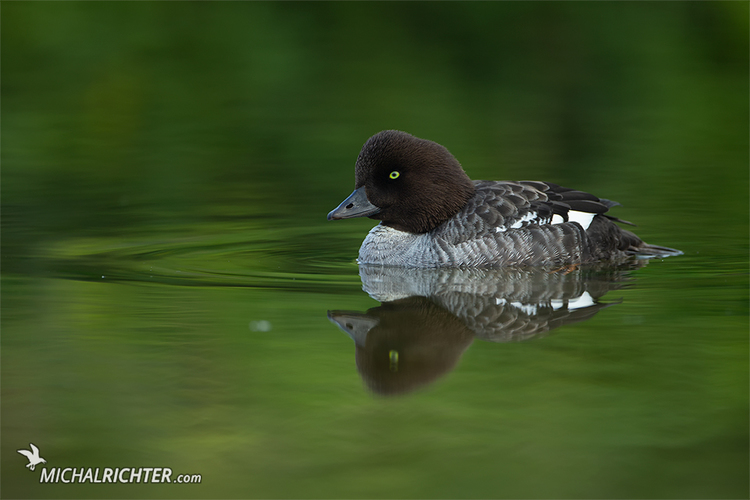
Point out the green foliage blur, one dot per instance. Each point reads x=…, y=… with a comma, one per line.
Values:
x=120, y=114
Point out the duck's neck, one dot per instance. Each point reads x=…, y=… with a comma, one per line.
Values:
x=427, y=213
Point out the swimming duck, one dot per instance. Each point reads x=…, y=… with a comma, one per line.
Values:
x=433, y=215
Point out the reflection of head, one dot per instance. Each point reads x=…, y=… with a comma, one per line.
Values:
x=414, y=341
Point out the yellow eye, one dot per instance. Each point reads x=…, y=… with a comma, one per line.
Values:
x=393, y=357
x=394, y=174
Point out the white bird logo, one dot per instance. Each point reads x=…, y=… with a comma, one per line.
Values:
x=33, y=456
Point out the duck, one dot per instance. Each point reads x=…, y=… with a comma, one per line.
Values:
x=432, y=215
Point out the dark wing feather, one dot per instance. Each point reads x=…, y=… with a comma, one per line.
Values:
x=589, y=206
x=572, y=199
x=610, y=203
x=621, y=221
x=496, y=205
x=499, y=206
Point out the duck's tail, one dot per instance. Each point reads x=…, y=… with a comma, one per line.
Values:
x=646, y=251
x=633, y=245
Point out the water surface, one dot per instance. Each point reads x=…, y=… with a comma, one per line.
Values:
x=174, y=297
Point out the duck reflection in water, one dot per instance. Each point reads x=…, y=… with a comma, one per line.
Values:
x=429, y=317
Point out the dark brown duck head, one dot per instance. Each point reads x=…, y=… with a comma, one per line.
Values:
x=410, y=184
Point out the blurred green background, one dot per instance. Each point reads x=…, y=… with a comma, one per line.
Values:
x=166, y=172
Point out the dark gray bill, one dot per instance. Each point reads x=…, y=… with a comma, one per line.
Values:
x=356, y=205
x=354, y=324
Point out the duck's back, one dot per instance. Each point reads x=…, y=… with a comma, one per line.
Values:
x=513, y=224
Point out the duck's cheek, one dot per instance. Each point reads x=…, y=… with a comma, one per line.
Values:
x=384, y=199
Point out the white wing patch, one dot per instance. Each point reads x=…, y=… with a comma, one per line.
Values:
x=526, y=218
x=583, y=300
x=529, y=309
x=583, y=218
x=519, y=223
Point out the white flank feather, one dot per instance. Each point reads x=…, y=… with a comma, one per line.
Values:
x=584, y=300
x=583, y=218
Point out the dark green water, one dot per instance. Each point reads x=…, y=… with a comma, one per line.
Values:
x=168, y=273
